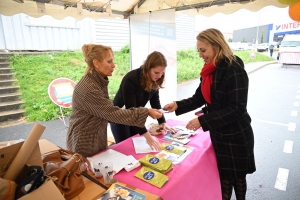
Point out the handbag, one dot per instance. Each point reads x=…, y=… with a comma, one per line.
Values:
x=35, y=177
x=67, y=167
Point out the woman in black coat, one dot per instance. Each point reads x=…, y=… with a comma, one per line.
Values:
x=137, y=88
x=223, y=91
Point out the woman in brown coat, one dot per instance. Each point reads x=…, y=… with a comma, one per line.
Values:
x=92, y=109
x=223, y=90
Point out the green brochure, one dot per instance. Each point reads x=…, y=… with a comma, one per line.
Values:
x=151, y=176
x=161, y=165
x=172, y=148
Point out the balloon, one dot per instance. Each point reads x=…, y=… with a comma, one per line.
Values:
x=294, y=11
x=287, y=2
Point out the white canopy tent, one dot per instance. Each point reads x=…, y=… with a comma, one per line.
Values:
x=96, y=9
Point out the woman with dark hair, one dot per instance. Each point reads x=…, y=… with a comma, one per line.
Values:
x=137, y=88
x=92, y=109
x=223, y=90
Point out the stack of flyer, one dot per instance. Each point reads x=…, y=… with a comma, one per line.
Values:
x=169, y=152
x=178, y=137
x=151, y=176
x=175, y=149
x=161, y=165
x=154, y=170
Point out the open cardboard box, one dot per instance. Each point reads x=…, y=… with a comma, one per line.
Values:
x=8, y=153
x=47, y=191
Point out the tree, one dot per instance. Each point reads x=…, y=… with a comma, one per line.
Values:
x=244, y=40
x=229, y=39
x=262, y=38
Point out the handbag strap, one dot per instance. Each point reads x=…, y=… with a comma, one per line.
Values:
x=94, y=180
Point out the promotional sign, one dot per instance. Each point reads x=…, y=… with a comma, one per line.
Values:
x=155, y=31
x=60, y=92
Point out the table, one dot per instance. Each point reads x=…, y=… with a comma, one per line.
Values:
x=196, y=177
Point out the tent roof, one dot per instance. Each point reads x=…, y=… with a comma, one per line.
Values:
x=97, y=9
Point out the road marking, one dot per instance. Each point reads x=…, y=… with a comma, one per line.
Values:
x=282, y=178
x=294, y=113
x=291, y=126
x=297, y=96
x=296, y=103
x=288, y=146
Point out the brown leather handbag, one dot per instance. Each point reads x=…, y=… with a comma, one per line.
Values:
x=67, y=167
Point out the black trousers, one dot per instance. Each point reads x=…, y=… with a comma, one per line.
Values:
x=271, y=52
x=121, y=132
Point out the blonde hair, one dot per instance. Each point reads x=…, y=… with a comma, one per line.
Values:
x=215, y=38
x=153, y=60
x=94, y=51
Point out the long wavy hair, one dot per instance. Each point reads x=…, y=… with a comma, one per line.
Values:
x=153, y=60
x=94, y=51
x=215, y=38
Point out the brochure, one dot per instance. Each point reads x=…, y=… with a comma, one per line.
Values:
x=161, y=165
x=172, y=148
x=177, y=137
x=141, y=146
x=151, y=176
x=120, y=192
x=183, y=130
x=176, y=159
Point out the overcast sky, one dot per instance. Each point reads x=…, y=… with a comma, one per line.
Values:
x=243, y=19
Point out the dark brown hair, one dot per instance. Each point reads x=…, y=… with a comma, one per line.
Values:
x=94, y=51
x=153, y=60
x=215, y=38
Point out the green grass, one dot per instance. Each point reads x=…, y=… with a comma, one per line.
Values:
x=34, y=73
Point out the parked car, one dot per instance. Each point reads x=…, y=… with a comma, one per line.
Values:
x=262, y=47
x=248, y=46
x=235, y=46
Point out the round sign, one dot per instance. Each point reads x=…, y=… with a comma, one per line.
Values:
x=60, y=92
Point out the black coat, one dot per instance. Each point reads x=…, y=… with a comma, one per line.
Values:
x=227, y=119
x=131, y=94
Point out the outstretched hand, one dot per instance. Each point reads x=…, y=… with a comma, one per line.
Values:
x=154, y=113
x=194, y=124
x=166, y=127
x=152, y=141
x=171, y=107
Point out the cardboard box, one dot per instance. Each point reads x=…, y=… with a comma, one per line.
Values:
x=46, y=146
x=8, y=153
x=47, y=191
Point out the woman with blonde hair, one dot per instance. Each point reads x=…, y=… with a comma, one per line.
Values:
x=137, y=88
x=223, y=90
x=92, y=109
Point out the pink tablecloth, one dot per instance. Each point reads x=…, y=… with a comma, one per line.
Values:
x=196, y=177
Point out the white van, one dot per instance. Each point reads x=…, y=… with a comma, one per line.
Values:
x=289, y=50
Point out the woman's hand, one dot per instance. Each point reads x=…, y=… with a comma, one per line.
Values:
x=154, y=113
x=152, y=141
x=194, y=124
x=171, y=107
x=166, y=127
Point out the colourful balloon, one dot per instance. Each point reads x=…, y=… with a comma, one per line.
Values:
x=287, y=2
x=294, y=11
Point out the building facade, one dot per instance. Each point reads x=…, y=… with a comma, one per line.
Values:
x=269, y=33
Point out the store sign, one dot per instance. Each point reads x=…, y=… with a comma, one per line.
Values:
x=60, y=92
x=288, y=26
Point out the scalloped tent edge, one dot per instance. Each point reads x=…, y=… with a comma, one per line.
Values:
x=111, y=9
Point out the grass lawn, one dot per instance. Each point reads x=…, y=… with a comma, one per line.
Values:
x=34, y=74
